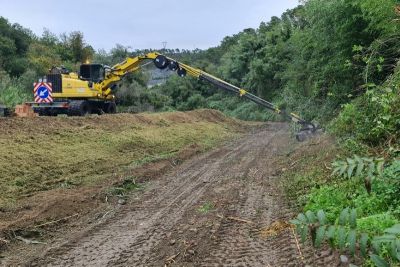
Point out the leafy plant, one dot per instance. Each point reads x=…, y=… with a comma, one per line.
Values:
x=12, y=90
x=206, y=207
x=372, y=118
x=330, y=198
x=344, y=236
x=375, y=224
x=128, y=185
x=356, y=167
x=388, y=186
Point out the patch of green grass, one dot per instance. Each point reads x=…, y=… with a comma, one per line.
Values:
x=206, y=207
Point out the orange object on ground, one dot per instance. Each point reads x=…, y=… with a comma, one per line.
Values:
x=25, y=111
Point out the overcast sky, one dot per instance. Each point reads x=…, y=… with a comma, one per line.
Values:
x=146, y=23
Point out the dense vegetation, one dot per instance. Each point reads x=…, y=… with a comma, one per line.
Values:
x=313, y=59
x=335, y=62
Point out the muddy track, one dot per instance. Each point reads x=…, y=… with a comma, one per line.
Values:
x=165, y=226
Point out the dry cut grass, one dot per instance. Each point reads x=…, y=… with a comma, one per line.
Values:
x=43, y=153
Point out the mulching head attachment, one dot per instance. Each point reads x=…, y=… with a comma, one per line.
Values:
x=308, y=131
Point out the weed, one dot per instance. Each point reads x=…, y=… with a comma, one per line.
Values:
x=376, y=224
x=128, y=185
x=20, y=182
x=206, y=207
x=376, y=208
x=357, y=167
x=331, y=198
x=300, y=185
x=372, y=119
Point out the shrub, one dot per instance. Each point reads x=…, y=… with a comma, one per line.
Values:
x=12, y=91
x=374, y=117
x=193, y=102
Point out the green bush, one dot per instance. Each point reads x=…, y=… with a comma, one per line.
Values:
x=373, y=118
x=369, y=204
x=195, y=101
x=13, y=91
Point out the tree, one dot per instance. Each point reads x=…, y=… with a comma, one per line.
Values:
x=74, y=48
x=42, y=57
x=14, y=43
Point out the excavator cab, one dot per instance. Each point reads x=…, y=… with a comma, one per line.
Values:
x=92, y=72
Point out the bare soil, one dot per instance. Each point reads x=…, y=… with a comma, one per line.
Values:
x=220, y=208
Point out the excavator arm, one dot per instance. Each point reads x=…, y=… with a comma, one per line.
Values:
x=131, y=64
x=242, y=93
x=118, y=71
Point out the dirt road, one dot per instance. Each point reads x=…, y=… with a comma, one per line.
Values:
x=222, y=208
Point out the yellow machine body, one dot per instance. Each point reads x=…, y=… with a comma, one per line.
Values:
x=72, y=87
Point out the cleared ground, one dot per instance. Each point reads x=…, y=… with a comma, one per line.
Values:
x=51, y=167
x=219, y=208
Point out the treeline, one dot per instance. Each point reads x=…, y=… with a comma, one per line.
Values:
x=313, y=59
x=24, y=57
x=22, y=51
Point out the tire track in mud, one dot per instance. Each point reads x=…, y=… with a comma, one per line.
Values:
x=241, y=173
x=241, y=244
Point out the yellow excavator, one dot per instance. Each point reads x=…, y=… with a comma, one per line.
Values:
x=91, y=90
